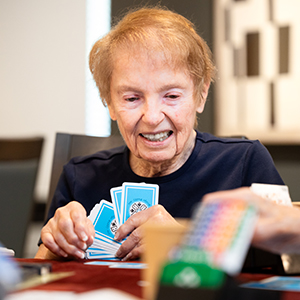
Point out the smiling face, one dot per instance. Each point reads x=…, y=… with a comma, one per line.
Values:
x=155, y=109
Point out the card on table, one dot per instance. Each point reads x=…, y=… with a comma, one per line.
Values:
x=128, y=265
x=99, y=263
x=119, y=265
x=278, y=283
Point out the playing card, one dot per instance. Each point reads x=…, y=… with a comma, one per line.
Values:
x=106, y=242
x=116, y=197
x=97, y=250
x=137, y=197
x=99, y=263
x=106, y=216
x=96, y=255
x=128, y=265
x=103, y=219
x=103, y=246
x=276, y=193
x=101, y=243
x=279, y=283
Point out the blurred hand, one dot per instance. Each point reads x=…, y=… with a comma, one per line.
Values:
x=134, y=246
x=68, y=234
x=278, y=227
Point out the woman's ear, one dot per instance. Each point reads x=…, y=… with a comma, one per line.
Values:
x=204, y=94
x=111, y=111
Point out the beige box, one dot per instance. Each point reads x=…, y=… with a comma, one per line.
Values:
x=159, y=241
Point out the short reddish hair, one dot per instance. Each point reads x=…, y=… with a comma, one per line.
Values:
x=154, y=30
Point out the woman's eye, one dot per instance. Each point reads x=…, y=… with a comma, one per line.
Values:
x=131, y=99
x=172, y=96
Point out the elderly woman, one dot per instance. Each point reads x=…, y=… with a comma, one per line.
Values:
x=153, y=72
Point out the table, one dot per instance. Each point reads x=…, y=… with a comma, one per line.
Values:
x=248, y=277
x=91, y=277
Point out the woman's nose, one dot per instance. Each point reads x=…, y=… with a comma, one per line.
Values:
x=152, y=112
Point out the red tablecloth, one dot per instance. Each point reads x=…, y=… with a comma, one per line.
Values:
x=91, y=277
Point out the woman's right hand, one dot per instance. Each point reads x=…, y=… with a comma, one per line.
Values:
x=68, y=234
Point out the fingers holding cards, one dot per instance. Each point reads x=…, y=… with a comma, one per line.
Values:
x=107, y=217
x=83, y=228
x=133, y=246
x=66, y=234
x=50, y=243
x=103, y=218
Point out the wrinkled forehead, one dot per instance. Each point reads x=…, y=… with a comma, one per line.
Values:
x=152, y=52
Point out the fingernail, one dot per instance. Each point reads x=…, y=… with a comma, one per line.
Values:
x=84, y=237
x=84, y=247
x=127, y=257
x=118, y=253
x=64, y=254
x=116, y=236
x=80, y=254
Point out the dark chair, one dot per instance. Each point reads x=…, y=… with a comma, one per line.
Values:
x=19, y=161
x=71, y=145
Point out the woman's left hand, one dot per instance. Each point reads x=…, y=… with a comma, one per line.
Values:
x=134, y=246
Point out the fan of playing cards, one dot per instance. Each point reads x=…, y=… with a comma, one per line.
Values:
x=127, y=200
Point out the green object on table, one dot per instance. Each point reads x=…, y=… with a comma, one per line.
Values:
x=191, y=275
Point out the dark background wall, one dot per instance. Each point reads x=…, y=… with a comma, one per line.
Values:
x=200, y=12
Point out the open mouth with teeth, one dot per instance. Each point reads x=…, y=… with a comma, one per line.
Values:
x=158, y=137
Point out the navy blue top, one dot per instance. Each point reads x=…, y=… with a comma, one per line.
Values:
x=215, y=164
